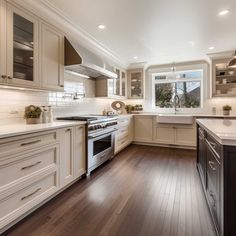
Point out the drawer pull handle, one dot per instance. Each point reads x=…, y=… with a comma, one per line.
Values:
x=212, y=144
x=213, y=198
x=30, y=143
x=35, y=164
x=212, y=164
x=80, y=127
x=29, y=195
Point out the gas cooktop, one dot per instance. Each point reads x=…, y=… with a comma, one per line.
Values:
x=86, y=117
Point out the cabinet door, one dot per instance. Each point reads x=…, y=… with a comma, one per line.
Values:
x=117, y=83
x=79, y=151
x=22, y=48
x=66, y=156
x=185, y=136
x=143, y=128
x=165, y=135
x=123, y=83
x=201, y=156
x=213, y=185
x=3, y=45
x=52, y=58
x=135, y=84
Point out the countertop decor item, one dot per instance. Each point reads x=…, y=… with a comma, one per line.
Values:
x=118, y=106
x=226, y=110
x=32, y=114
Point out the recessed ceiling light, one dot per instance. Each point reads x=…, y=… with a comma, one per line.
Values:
x=211, y=48
x=102, y=27
x=135, y=57
x=223, y=12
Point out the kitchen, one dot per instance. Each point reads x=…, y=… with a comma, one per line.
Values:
x=115, y=120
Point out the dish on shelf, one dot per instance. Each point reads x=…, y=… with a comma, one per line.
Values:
x=19, y=75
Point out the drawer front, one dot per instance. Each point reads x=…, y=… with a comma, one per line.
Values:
x=122, y=131
x=27, y=165
x=17, y=204
x=124, y=122
x=214, y=145
x=25, y=143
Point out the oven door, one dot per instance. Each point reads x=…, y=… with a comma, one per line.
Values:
x=100, y=149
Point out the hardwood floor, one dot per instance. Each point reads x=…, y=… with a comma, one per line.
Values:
x=143, y=191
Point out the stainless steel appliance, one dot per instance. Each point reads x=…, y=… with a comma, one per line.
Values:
x=100, y=138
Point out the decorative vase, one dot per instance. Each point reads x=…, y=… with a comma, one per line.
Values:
x=226, y=112
x=32, y=121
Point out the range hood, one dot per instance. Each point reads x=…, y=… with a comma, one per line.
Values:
x=82, y=61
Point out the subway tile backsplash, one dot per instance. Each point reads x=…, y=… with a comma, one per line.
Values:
x=13, y=103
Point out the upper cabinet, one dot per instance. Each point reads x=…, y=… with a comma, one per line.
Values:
x=52, y=60
x=31, y=51
x=136, y=83
x=22, y=48
x=223, y=78
x=112, y=88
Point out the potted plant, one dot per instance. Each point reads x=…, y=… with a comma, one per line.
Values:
x=226, y=110
x=32, y=114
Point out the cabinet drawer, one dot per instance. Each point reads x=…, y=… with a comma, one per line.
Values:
x=122, y=131
x=17, y=204
x=27, y=164
x=123, y=122
x=15, y=145
x=214, y=145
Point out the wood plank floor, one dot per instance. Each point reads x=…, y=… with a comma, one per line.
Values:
x=143, y=191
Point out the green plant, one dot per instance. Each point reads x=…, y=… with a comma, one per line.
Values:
x=227, y=108
x=32, y=112
x=129, y=108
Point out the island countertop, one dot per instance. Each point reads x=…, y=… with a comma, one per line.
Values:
x=223, y=130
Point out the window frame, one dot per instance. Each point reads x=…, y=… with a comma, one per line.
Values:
x=175, y=80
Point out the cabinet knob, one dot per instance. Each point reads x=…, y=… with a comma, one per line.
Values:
x=9, y=77
x=62, y=86
x=4, y=76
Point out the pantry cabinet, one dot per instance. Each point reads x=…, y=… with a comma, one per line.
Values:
x=31, y=50
x=51, y=58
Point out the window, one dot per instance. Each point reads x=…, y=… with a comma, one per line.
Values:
x=182, y=89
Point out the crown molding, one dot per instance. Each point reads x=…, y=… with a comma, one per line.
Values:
x=49, y=12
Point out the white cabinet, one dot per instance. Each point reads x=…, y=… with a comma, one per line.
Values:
x=170, y=134
x=135, y=83
x=22, y=47
x=31, y=51
x=124, y=134
x=143, y=128
x=112, y=88
x=66, y=155
x=79, y=151
x=165, y=135
x=51, y=58
x=29, y=174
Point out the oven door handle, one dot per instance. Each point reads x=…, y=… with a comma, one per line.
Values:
x=90, y=136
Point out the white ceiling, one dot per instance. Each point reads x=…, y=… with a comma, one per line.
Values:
x=156, y=31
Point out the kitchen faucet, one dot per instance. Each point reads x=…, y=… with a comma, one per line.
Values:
x=176, y=102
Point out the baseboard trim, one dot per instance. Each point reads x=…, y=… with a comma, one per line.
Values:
x=165, y=145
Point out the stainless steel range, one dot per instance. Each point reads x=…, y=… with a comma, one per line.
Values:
x=100, y=138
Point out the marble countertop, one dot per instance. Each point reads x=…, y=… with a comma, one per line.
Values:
x=223, y=130
x=20, y=129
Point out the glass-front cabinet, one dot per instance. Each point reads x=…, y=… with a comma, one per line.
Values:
x=223, y=78
x=22, y=48
x=136, y=84
x=123, y=83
